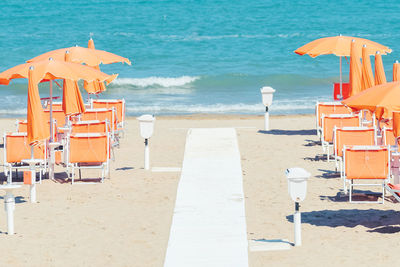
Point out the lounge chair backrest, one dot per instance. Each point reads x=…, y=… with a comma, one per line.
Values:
x=118, y=104
x=22, y=126
x=388, y=137
x=58, y=115
x=89, y=148
x=17, y=148
x=366, y=162
x=89, y=127
x=347, y=136
x=100, y=114
x=328, y=108
x=338, y=121
x=56, y=106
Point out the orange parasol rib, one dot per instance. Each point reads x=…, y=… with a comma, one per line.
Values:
x=380, y=77
x=367, y=77
x=355, y=70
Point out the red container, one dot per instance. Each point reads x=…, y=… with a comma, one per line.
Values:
x=345, y=91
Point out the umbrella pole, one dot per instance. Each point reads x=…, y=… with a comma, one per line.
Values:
x=341, y=92
x=51, y=169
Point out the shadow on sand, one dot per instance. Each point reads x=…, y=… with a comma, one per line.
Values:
x=289, y=132
x=318, y=157
x=328, y=174
x=380, y=221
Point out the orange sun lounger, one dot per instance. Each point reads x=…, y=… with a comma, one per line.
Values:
x=16, y=149
x=88, y=151
x=118, y=104
x=328, y=108
x=94, y=126
x=348, y=136
x=329, y=122
x=366, y=163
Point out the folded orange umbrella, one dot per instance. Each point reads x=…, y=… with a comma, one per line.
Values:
x=380, y=77
x=95, y=86
x=396, y=124
x=72, y=102
x=355, y=70
x=367, y=77
x=396, y=71
x=91, y=57
x=381, y=99
x=38, y=128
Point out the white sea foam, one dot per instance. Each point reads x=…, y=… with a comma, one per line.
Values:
x=156, y=81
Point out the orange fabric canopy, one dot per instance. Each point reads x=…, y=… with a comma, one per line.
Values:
x=380, y=77
x=396, y=71
x=55, y=69
x=355, y=70
x=38, y=128
x=367, y=77
x=382, y=99
x=396, y=124
x=72, y=102
x=95, y=86
x=91, y=57
x=339, y=46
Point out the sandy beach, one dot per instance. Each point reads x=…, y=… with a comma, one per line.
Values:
x=126, y=220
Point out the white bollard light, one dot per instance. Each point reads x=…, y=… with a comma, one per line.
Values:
x=267, y=95
x=9, y=205
x=297, y=186
x=32, y=165
x=146, y=123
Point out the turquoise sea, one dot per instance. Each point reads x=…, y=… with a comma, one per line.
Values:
x=204, y=56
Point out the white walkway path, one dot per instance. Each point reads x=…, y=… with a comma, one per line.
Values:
x=209, y=224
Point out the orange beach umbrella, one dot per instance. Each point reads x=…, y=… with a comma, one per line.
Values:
x=340, y=46
x=95, y=86
x=72, y=102
x=380, y=77
x=355, y=70
x=37, y=126
x=382, y=99
x=396, y=71
x=367, y=77
x=396, y=124
x=49, y=70
x=91, y=57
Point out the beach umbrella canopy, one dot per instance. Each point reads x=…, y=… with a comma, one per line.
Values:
x=37, y=125
x=72, y=102
x=396, y=71
x=380, y=77
x=90, y=57
x=95, y=86
x=355, y=70
x=55, y=69
x=340, y=46
x=367, y=77
x=382, y=99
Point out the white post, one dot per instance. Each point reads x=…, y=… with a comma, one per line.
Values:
x=146, y=154
x=266, y=119
x=9, y=205
x=297, y=225
x=33, y=177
